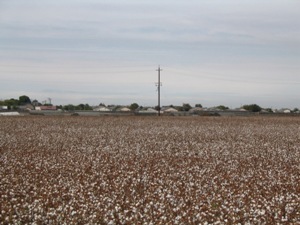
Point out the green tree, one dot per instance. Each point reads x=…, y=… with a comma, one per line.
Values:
x=11, y=103
x=198, y=105
x=87, y=107
x=222, y=107
x=36, y=103
x=59, y=107
x=269, y=110
x=186, y=107
x=79, y=107
x=24, y=100
x=252, y=108
x=69, y=107
x=133, y=106
x=83, y=107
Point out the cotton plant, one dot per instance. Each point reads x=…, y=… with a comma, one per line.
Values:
x=145, y=170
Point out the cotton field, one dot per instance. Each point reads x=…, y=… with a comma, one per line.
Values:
x=149, y=170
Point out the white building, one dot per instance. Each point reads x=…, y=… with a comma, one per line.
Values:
x=102, y=109
x=124, y=109
x=3, y=107
x=170, y=109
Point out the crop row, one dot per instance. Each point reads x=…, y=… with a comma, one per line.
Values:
x=140, y=170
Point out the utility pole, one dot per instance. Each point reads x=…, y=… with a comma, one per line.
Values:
x=159, y=84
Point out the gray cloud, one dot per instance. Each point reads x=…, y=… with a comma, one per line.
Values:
x=249, y=49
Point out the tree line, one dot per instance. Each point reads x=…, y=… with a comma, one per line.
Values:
x=13, y=104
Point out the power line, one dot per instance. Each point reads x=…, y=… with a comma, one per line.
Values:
x=120, y=66
x=63, y=69
x=219, y=77
x=74, y=72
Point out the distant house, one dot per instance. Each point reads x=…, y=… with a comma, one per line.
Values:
x=27, y=107
x=264, y=111
x=102, y=109
x=44, y=107
x=169, y=109
x=3, y=107
x=214, y=109
x=285, y=110
x=124, y=109
x=149, y=111
x=196, y=109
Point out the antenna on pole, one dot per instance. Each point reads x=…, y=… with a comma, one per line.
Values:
x=159, y=84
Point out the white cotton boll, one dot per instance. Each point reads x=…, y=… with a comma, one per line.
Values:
x=111, y=222
x=164, y=218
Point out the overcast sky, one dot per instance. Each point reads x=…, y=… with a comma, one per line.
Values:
x=213, y=52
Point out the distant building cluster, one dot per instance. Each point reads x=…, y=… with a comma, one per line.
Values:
x=45, y=107
x=25, y=104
